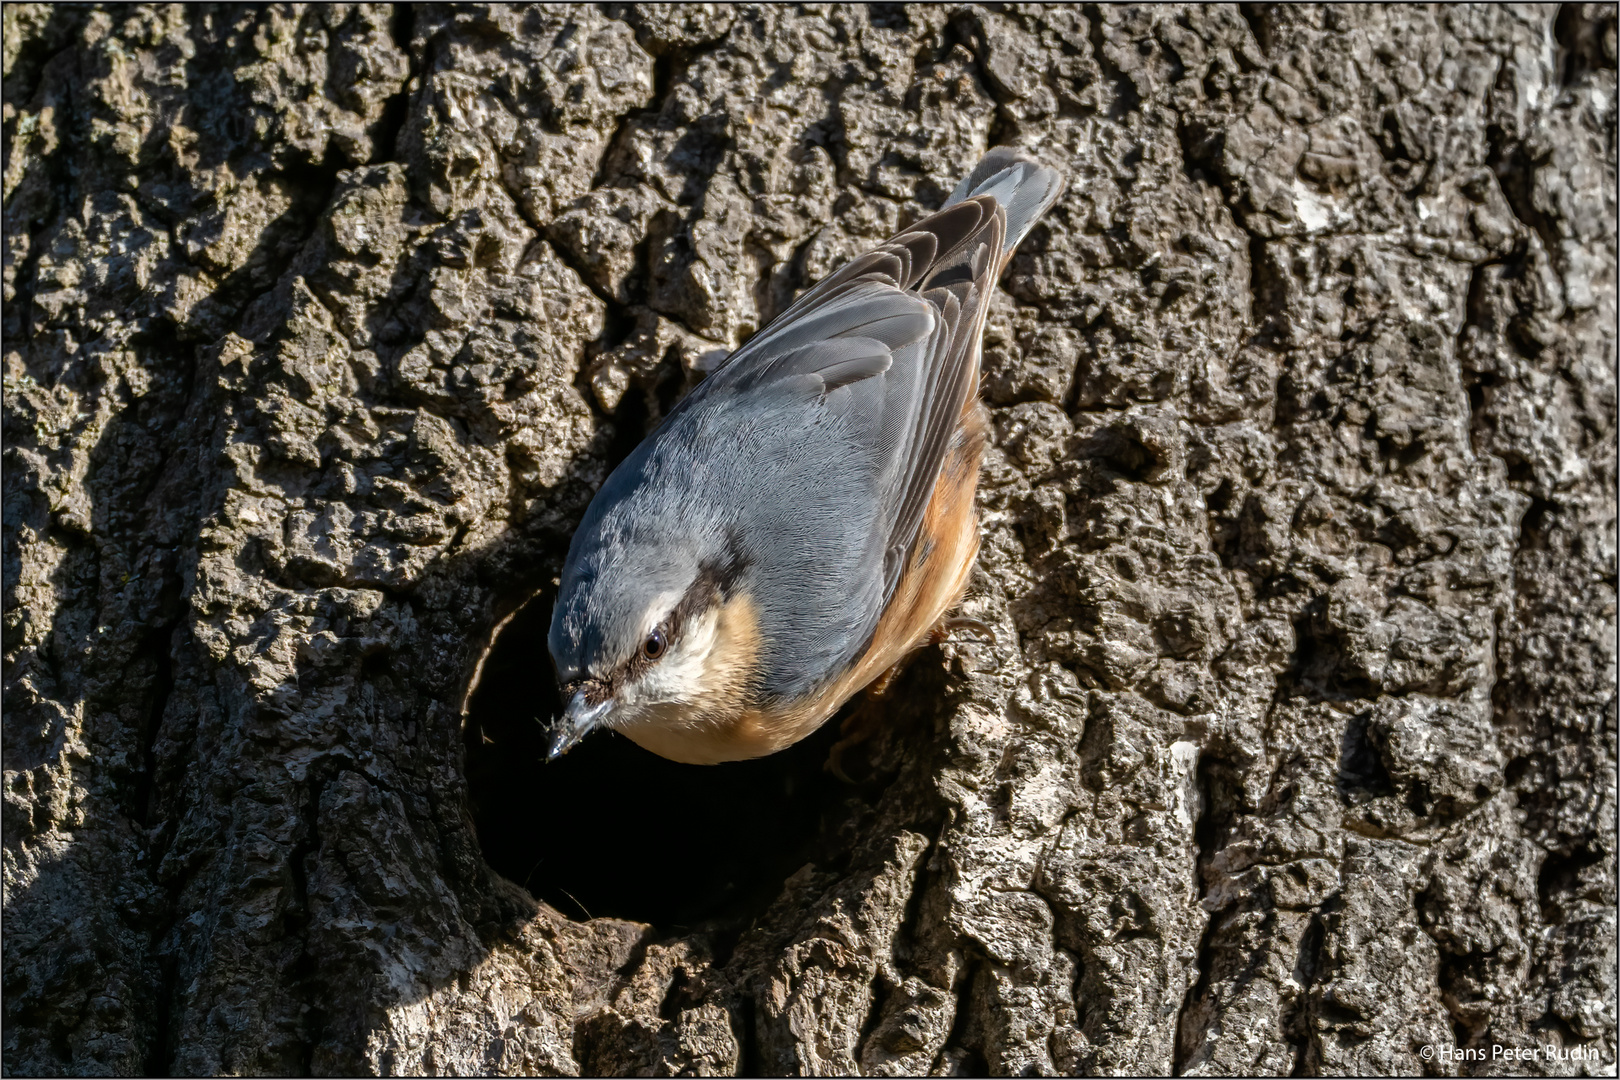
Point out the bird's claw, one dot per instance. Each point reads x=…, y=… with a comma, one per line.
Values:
x=943, y=629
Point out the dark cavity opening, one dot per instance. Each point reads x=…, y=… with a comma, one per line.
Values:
x=612, y=830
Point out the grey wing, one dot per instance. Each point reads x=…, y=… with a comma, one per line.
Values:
x=890, y=342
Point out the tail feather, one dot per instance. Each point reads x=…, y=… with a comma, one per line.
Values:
x=1024, y=187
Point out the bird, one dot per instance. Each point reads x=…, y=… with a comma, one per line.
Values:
x=803, y=518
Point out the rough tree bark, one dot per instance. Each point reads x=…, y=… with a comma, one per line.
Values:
x=1295, y=751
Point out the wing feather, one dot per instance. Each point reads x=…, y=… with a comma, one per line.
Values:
x=898, y=328
x=892, y=340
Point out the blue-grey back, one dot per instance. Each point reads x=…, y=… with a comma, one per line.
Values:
x=787, y=488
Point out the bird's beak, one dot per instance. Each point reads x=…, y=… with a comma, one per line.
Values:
x=576, y=722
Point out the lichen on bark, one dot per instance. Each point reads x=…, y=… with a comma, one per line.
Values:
x=1295, y=751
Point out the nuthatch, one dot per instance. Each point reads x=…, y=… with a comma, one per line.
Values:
x=804, y=517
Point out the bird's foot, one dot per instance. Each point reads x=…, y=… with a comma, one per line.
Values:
x=945, y=627
x=861, y=724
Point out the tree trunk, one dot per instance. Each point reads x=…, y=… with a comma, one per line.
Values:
x=1294, y=753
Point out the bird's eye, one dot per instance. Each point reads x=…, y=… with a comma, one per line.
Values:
x=653, y=647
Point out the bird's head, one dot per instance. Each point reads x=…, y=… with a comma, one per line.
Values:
x=650, y=629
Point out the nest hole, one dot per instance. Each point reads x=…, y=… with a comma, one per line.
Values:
x=611, y=830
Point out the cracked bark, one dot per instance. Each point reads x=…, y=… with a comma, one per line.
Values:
x=1296, y=748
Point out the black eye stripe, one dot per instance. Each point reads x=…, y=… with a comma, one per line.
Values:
x=709, y=587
